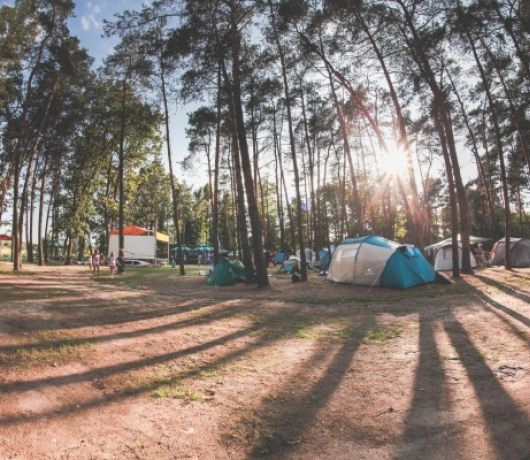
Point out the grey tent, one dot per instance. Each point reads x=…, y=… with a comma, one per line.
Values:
x=519, y=252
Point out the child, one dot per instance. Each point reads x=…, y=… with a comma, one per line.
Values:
x=113, y=262
x=96, y=260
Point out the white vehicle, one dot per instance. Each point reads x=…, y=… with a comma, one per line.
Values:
x=136, y=263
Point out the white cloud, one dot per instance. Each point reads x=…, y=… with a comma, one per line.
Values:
x=90, y=22
x=85, y=23
x=91, y=19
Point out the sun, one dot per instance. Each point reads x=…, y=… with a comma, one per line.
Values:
x=393, y=160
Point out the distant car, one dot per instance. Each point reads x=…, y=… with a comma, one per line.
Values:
x=136, y=263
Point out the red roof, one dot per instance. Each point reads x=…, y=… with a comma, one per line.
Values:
x=5, y=237
x=132, y=230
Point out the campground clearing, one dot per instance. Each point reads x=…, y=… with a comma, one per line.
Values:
x=153, y=365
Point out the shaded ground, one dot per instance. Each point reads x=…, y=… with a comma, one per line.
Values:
x=156, y=366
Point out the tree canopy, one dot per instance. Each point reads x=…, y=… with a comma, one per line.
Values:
x=315, y=121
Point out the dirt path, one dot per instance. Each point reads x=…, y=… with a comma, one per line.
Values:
x=166, y=367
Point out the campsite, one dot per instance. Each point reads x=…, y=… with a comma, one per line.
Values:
x=153, y=365
x=281, y=229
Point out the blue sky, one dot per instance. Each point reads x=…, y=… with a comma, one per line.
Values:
x=87, y=24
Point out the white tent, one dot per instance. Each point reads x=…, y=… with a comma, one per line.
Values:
x=443, y=259
x=441, y=253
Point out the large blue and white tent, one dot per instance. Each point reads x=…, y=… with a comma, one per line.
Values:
x=375, y=261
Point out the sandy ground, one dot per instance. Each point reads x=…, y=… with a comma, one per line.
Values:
x=167, y=367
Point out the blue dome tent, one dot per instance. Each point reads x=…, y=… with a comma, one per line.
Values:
x=375, y=261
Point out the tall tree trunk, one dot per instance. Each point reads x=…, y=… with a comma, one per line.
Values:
x=41, y=238
x=217, y=162
x=172, y=179
x=357, y=201
x=484, y=179
x=441, y=107
x=121, y=163
x=279, y=183
x=452, y=193
x=241, y=215
x=516, y=117
x=500, y=150
x=262, y=279
x=287, y=95
x=311, y=168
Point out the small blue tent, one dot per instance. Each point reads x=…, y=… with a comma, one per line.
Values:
x=375, y=261
x=280, y=257
x=324, y=257
x=226, y=272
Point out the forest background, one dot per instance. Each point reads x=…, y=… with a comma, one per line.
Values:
x=316, y=120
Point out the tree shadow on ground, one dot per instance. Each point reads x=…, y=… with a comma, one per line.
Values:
x=258, y=333
x=52, y=344
x=507, y=423
x=295, y=408
x=428, y=425
x=510, y=290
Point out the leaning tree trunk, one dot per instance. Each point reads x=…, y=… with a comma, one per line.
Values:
x=498, y=140
x=415, y=45
x=484, y=180
x=415, y=213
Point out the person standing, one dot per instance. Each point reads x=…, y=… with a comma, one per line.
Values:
x=96, y=261
x=113, y=262
x=90, y=266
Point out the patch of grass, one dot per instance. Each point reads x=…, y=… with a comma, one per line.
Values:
x=6, y=268
x=301, y=327
x=209, y=372
x=381, y=336
x=376, y=295
x=135, y=277
x=49, y=347
x=286, y=325
x=347, y=332
x=54, y=292
x=8, y=293
x=176, y=391
x=309, y=327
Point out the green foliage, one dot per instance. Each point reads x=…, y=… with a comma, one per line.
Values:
x=62, y=131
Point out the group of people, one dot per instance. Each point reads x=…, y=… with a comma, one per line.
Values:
x=95, y=261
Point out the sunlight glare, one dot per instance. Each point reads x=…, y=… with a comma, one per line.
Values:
x=394, y=161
